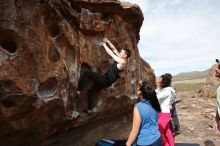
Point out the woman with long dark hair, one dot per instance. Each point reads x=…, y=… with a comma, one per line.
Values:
x=165, y=94
x=145, y=131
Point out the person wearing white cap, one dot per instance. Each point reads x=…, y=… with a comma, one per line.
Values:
x=216, y=125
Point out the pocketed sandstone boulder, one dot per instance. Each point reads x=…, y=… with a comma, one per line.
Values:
x=45, y=45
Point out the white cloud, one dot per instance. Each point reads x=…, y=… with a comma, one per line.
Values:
x=179, y=35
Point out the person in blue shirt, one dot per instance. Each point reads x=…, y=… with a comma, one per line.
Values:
x=145, y=131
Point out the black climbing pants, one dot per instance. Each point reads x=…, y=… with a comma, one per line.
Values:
x=99, y=82
x=175, y=120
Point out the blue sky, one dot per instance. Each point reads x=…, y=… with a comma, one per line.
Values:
x=179, y=35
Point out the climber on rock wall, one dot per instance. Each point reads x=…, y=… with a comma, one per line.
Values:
x=101, y=81
x=216, y=125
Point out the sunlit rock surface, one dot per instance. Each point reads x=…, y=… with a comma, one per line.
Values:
x=209, y=89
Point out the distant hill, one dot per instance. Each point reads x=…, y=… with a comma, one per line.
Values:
x=191, y=75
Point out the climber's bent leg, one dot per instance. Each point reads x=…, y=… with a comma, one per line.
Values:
x=96, y=78
x=91, y=93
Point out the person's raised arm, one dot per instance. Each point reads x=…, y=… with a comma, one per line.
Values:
x=135, y=127
x=112, y=46
x=115, y=57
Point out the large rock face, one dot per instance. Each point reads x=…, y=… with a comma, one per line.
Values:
x=45, y=45
x=209, y=89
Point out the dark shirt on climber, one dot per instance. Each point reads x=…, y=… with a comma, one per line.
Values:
x=112, y=74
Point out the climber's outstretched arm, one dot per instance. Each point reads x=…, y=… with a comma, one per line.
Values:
x=114, y=56
x=112, y=47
